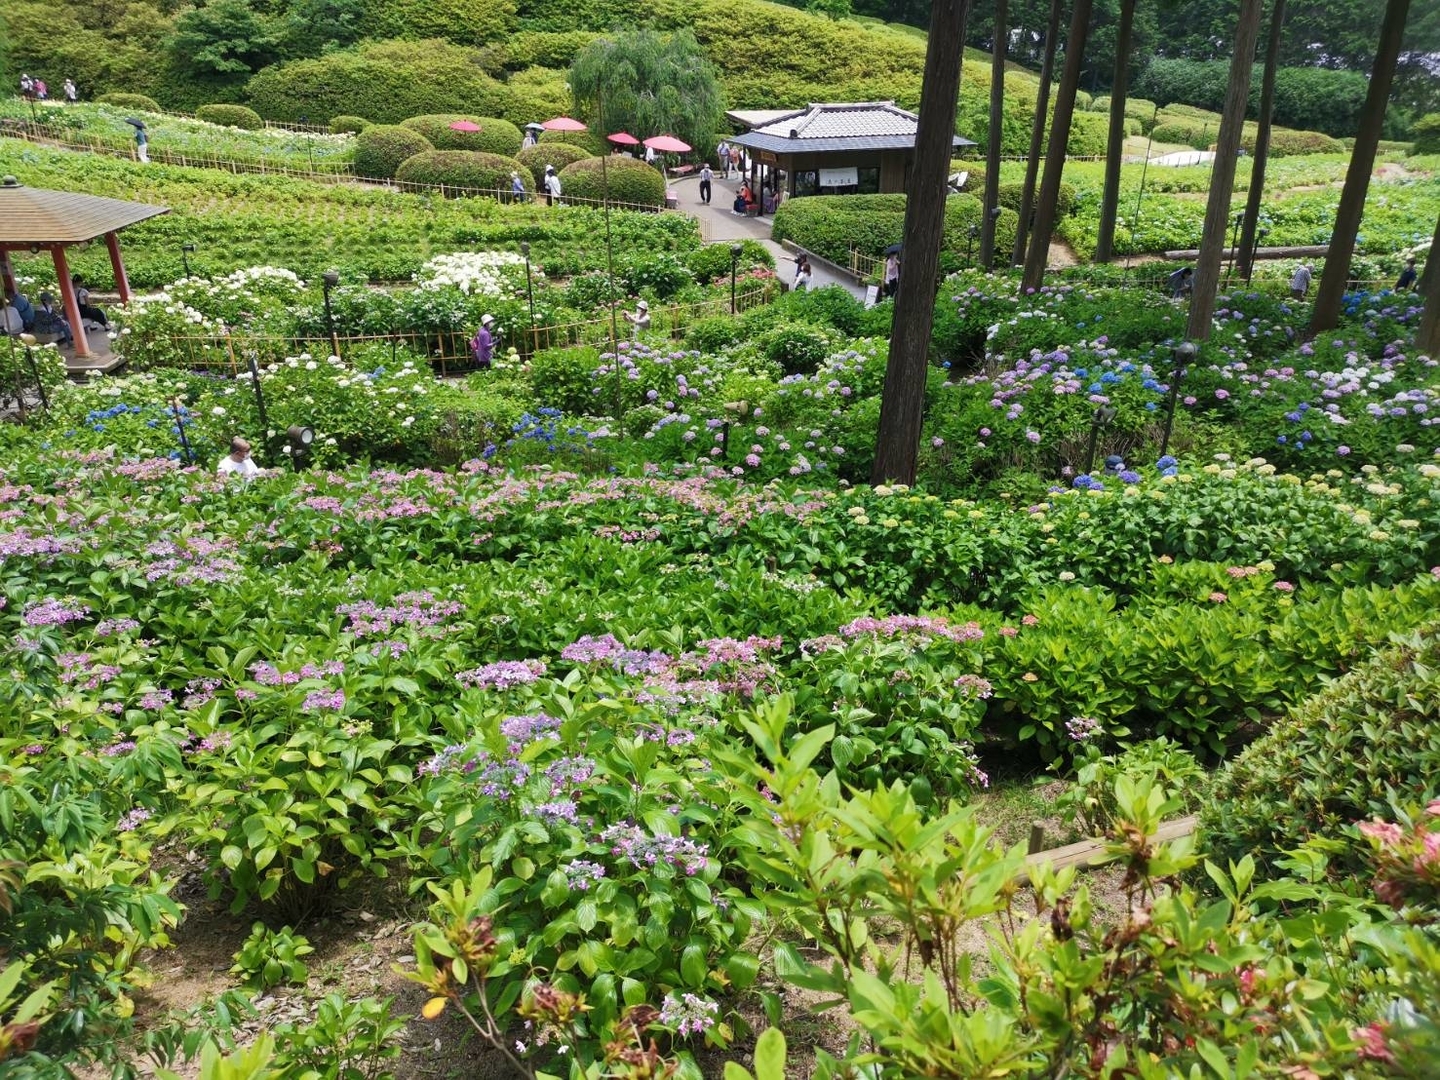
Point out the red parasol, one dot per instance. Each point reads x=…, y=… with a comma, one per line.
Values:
x=667, y=144
x=624, y=138
x=563, y=123
x=464, y=125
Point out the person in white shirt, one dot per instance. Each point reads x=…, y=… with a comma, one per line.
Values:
x=552, y=186
x=802, y=273
x=239, y=462
x=640, y=318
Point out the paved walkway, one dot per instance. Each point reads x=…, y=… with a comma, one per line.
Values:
x=718, y=225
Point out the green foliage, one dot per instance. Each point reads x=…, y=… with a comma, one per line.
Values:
x=1287, y=143
x=1342, y=756
x=1426, y=132
x=236, y=116
x=270, y=958
x=1313, y=98
x=650, y=85
x=555, y=154
x=494, y=137
x=346, y=1039
x=628, y=181
x=1090, y=796
x=589, y=141
x=385, y=81
x=830, y=225
x=348, y=125
x=381, y=149
x=223, y=42
x=535, y=95
x=713, y=261
x=545, y=49
x=468, y=169
x=130, y=101
x=465, y=22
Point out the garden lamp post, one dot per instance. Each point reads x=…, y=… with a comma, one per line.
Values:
x=1102, y=418
x=185, y=250
x=1260, y=235
x=259, y=396
x=309, y=145
x=1234, y=251
x=1184, y=354
x=328, y=281
x=735, y=250
x=972, y=233
x=300, y=438
x=28, y=340
x=529, y=291
x=180, y=430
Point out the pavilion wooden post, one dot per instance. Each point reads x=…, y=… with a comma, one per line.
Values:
x=67, y=297
x=7, y=273
x=117, y=266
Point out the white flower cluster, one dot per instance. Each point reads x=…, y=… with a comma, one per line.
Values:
x=487, y=273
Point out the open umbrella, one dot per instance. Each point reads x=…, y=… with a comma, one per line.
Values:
x=623, y=138
x=464, y=125
x=667, y=144
x=563, y=123
x=134, y=123
x=894, y=249
x=532, y=126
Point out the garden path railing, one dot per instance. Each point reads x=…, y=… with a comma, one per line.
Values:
x=448, y=351
x=324, y=172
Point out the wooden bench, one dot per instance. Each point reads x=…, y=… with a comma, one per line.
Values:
x=683, y=170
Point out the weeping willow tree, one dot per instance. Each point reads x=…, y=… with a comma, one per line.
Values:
x=649, y=84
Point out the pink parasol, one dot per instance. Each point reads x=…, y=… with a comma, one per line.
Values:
x=667, y=144
x=563, y=123
x=464, y=125
x=623, y=138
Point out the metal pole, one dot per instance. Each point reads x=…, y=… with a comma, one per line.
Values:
x=1234, y=253
x=259, y=400
x=327, y=281
x=180, y=427
x=1184, y=353
x=19, y=379
x=1260, y=235
x=184, y=259
x=39, y=382
x=734, y=264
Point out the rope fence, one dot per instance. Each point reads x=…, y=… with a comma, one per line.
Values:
x=448, y=351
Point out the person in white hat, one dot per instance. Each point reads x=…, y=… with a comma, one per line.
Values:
x=639, y=318
x=551, y=185
x=483, y=344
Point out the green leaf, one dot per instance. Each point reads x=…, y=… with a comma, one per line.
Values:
x=692, y=965
x=770, y=1055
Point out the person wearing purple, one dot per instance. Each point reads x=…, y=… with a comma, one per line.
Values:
x=483, y=346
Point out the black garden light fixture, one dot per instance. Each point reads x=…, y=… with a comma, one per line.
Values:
x=254, y=365
x=1184, y=355
x=735, y=252
x=300, y=438
x=1102, y=419
x=328, y=281
x=1234, y=249
x=972, y=232
x=185, y=250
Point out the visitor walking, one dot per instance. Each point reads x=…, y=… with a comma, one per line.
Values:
x=142, y=144
x=483, y=344
x=649, y=155
x=723, y=150
x=41, y=90
x=239, y=462
x=1408, y=279
x=27, y=86
x=1300, y=283
x=517, y=188
x=72, y=95
x=706, y=176
x=892, y=274
x=639, y=318
x=552, y=186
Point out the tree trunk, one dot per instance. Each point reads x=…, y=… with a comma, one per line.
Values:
x=1427, y=336
x=902, y=404
x=1256, y=195
x=1357, y=177
x=1215, y=237
x=1038, y=255
x=1115, y=140
x=1037, y=133
x=997, y=123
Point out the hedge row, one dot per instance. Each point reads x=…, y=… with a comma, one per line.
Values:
x=629, y=181
x=558, y=155
x=830, y=225
x=494, y=137
x=236, y=116
x=381, y=149
x=130, y=101
x=463, y=169
x=1312, y=99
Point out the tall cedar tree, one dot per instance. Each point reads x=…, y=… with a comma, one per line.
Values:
x=1246, y=255
x=1037, y=133
x=997, y=123
x=902, y=404
x=1115, y=141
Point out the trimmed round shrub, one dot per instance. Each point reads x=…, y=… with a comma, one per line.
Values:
x=386, y=81
x=535, y=158
x=1187, y=130
x=381, y=148
x=630, y=181
x=348, y=125
x=586, y=140
x=1285, y=142
x=1426, y=133
x=130, y=101
x=235, y=116
x=1338, y=758
x=494, y=137
x=535, y=94
x=463, y=169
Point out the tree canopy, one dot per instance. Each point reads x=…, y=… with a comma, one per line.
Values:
x=649, y=84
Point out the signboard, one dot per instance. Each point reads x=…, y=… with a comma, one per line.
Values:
x=769, y=158
x=848, y=177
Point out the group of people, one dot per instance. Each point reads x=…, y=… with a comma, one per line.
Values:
x=731, y=156
x=47, y=321
x=1181, y=282
x=35, y=89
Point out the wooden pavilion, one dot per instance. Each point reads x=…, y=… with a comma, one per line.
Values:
x=35, y=220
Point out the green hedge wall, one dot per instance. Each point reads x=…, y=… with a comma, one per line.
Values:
x=386, y=81
x=381, y=149
x=236, y=116
x=535, y=158
x=829, y=224
x=1427, y=134
x=1311, y=99
x=130, y=101
x=586, y=140
x=495, y=136
x=465, y=22
x=630, y=181
x=537, y=48
x=464, y=169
